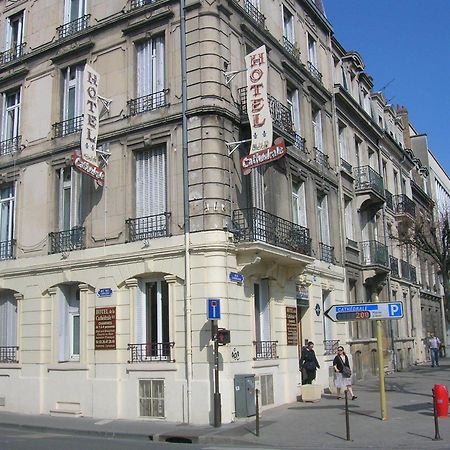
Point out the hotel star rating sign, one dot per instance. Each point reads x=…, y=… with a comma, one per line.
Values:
x=365, y=311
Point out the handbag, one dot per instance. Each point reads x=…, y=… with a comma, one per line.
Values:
x=346, y=372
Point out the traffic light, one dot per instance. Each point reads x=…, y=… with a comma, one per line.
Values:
x=223, y=336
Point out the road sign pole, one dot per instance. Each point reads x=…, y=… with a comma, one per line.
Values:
x=217, y=399
x=379, y=330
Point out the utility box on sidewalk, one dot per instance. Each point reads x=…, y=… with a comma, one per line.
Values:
x=244, y=395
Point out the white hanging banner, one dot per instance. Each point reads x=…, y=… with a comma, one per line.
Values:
x=257, y=101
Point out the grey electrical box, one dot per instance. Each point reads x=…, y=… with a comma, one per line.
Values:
x=244, y=395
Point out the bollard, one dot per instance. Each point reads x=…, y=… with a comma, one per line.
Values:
x=257, y=412
x=347, y=421
x=437, y=436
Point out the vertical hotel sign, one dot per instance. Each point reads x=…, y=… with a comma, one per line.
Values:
x=87, y=162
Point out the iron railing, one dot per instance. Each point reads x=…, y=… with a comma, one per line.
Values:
x=67, y=240
x=148, y=102
x=13, y=53
x=330, y=346
x=138, y=3
x=314, y=71
x=368, y=178
x=281, y=115
x=321, y=158
x=300, y=143
x=255, y=14
x=8, y=249
x=11, y=145
x=8, y=354
x=389, y=199
x=404, y=205
x=68, y=126
x=265, y=350
x=73, y=27
x=148, y=227
x=374, y=253
x=393, y=264
x=326, y=253
x=291, y=48
x=152, y=351
x=346, y=165
x=253, y=224
x=412, y=274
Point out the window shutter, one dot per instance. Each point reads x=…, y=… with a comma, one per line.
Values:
x=8, y=320
x=63, y=328
x=140, y=313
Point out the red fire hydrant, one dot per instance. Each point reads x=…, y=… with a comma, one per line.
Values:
x=441, y=400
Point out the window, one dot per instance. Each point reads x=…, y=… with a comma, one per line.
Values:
x=151, y=398
x=74, y=9
x=348, y=215
x=343, y=149
x=73, y=93
x=150, y=67
x=69, y=215
x=69, y=323
x=299, y=204
x=10, y=117
x=327, y=324
x=312, y=51
x=8, y=324
x=294, y=106
x=317, y=128
x=262, y=311
x=7, y=216
x=288, y=25
x=344, y=78
x=14, y=36
x=324, y=225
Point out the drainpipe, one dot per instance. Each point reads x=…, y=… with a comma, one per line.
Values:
x=187, y=261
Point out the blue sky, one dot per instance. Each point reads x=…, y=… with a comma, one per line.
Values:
x=405, y=45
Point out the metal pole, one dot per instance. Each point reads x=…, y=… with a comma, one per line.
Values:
x=217, y=400
x=257, y=412
x=379, y=329
x=437, y=436
x=347, y=419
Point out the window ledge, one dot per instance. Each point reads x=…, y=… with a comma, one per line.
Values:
x=10, y=366
x=63, y=366
x=266, y=363
x=152, y=367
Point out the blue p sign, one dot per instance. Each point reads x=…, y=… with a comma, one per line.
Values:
x=395, y=310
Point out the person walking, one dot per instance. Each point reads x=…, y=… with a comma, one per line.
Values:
x=434, y=345
x=308, y=363
x=343, y=373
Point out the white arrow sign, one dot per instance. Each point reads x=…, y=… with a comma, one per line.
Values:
x=365, y=311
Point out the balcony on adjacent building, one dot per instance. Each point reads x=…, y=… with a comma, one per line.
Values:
x=148, y=227
x=254, y=13
x=66, y=127
x=321, y=158
x=404, y=267
x=326, y=253
x=412, y=274
x=369, y=187
x=330, y=346
x=265, y=350
x=147, y=103
x=256, y=225
x=405, y=209
x=67, y=240
x=393, y=263
x=291, y=49
x=151, y=352
x=73, y=27
x=374, y=253
x=9, y=146
x=12, y=54
x=7, y=249
x=8, y=354
x=314, y=71
x=389, y=200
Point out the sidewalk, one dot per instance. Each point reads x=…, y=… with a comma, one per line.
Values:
x=297, y=425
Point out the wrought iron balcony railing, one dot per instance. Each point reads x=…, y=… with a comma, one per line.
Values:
x=8, y=354
x=148, y=102
x=67, y=240
x=299, y=143
x=346, y=165
x=281, y=115
x=138, y=3
x=253, y=224
x=330, y=346
x=9, y=146
x=404, y=267
x=393, y=263
x=374, y=253
x=412, y=274
x=321, y=158
x=73, y=27
x=265, y=350
x=255, y=14
x=404, y=205
x=66, y=127
x=291, y=48
x=326, y=253
x=368, y=178
x=155, y=351
x=13, y=53
x=314, y=71
x=148, y=227
x=389, y=199
x=8, y=249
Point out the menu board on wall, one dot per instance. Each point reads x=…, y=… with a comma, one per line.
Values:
x=105, y=328
x=291, y=325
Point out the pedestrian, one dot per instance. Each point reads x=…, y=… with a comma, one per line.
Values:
x=434, y=345
x=343, y=373
x=308, y=363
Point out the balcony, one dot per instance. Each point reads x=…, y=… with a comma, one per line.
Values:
x=369, y=187
x=134, y=4
x=320, y=158
x=393, y=264
x=74, y=27
x=374, y=253
x=254, y=224
x=67, y=240
x=314, y=71
x=330, y=346
x=255, y=14
x=413, y=274
x=8, y=354
x=67, y=127
x=7, y=249
x=291, y=49
x=405, y=209
x=281, y=115
x=9, y=146
x=147, y=103
x=13, y=53
x=404, y=266
x=149, y=227
x=151, y=352
x=346, y=166
x=389, y=200
x=326, y=253
x=265, y=350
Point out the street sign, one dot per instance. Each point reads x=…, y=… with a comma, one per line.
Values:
x=104, y=292
x=365, y=311
x=236, y=277
x=213, y=307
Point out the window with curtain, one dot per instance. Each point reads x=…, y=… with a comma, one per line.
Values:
x=14, y=33
x=69, y=323
x=288, y=25
x=317, y=128
x=7, y=218
x=11, y=114
x=8, y=320
x=299, y=204
x=262, y=311
x=312, y=51
x=74, y=9
x=324, y=224
x=150, y=66
x=73, y=92
x=69, y=198
x=293, y=101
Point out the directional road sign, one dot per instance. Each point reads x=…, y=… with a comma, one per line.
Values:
x=213, y=308
x=365, y=311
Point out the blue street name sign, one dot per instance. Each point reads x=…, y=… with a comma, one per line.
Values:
x=213, y=308
x=236, y=277
x=365, y=311
x=104, y=292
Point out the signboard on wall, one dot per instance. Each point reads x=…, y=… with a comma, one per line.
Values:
x=105, y=328
x=291, y=325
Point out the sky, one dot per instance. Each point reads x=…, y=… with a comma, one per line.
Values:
x=405, y=45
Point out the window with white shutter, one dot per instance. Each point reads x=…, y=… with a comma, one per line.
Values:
x=73, y=92
x=11, y=115
x=324, y=224
x=317, y=128
x=299, y=204
x=14, y=36
x=8, y=320
x=262, y=311
x=70, y=187
x=293, y=102
x=7, y=219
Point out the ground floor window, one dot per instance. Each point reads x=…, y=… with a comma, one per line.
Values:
x=69, y=323
x=151, y=398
